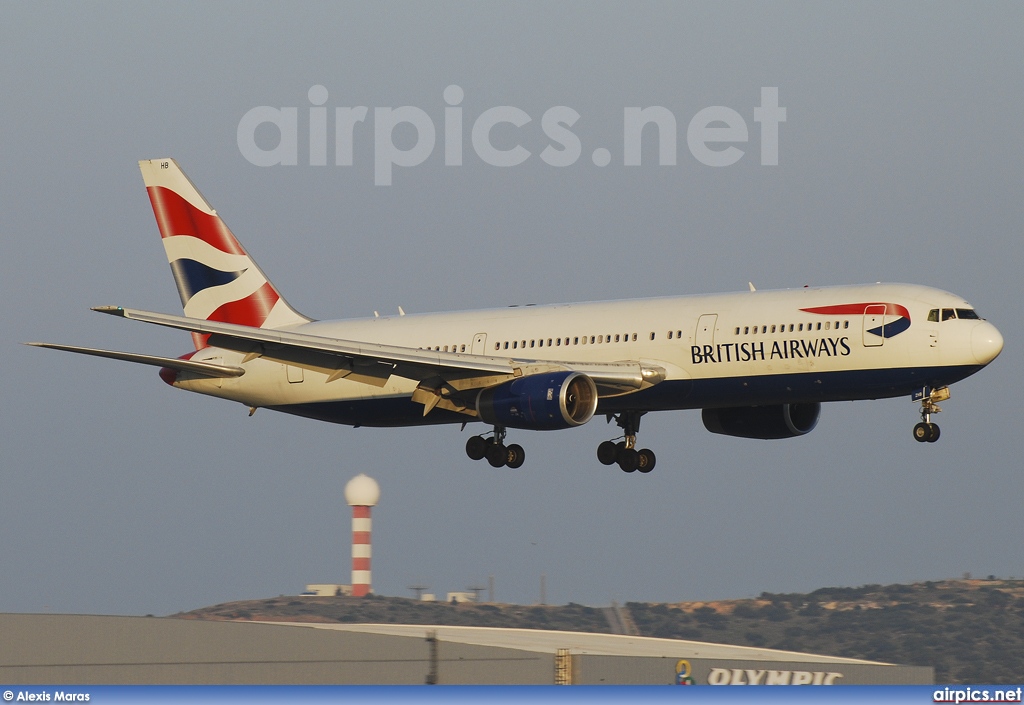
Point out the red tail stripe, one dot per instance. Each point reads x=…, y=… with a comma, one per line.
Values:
x=250, y=311
x=176, y=216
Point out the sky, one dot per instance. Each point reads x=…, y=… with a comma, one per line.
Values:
x=901, y=158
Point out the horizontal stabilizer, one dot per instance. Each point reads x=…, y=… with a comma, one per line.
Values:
x=207, y=369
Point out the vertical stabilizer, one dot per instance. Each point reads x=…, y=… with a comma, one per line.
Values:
x=217, y=280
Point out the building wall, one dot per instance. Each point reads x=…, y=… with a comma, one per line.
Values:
x=630, y=670
x=84, y=649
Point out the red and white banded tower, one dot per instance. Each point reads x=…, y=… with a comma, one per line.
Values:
x=361, y=492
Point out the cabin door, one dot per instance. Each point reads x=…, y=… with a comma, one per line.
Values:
x=874, y=325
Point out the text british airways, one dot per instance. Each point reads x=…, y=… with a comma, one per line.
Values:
x=779, y=350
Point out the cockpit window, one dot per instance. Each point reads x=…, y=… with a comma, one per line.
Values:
x=952, y=313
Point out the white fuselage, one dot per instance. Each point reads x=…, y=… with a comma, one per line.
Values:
x=738, y=349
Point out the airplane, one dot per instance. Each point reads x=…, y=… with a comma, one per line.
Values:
x=759, y=364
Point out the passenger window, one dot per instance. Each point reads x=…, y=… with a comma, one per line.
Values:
x=497, y=346
x=515, y=344
x=634, y=337
x=462, y=348
x=819, y=326
x=764, y=329
x=827, y=324
x=746, y=329
x=532, y=342
x=549, y=342
x=790, y=327
x=737, y=330
x=800, y=327
x=576, y=341
x=670, y=335
x=506, y=345
x=846, y=324
x=773, y=328
x=652, y=336
x=616, y=337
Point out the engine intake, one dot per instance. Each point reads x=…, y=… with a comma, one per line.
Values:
x=543, y=402
x=765, y=422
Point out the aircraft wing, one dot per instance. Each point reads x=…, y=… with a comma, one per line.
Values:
x=207, y=369
x=439, y=373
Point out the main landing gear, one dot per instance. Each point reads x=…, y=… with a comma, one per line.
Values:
x=926, y=431
x=624, y=452
x=495, y=450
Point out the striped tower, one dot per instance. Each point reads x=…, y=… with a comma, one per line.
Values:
x=361, y=492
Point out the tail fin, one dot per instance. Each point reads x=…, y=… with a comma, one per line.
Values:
x=217, y=279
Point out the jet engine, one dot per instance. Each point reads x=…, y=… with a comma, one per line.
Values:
x=776, y=421
x=542, y=402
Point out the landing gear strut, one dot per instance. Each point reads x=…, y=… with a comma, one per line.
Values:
x=624, y=452
x=495, y=450
x=926, y=431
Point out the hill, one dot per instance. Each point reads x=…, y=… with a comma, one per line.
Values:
x=971, y=631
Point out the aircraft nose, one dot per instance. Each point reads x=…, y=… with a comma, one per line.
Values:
x=986, y=342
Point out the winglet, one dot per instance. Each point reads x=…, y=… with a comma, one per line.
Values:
x=112, y=310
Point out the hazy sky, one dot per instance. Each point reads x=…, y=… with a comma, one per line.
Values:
x=901, y=159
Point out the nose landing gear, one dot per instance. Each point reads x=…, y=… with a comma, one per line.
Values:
x=624, y=452
x=495, y=450
x=926, y=431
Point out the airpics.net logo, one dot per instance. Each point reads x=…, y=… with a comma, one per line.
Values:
x=711, y=134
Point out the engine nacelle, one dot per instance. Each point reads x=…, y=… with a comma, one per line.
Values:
x=765, y=422
x=543, y=402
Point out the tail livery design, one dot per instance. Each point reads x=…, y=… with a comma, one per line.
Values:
x=217, y=280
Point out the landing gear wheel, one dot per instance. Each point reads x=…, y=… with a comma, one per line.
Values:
x=607, y=453
x=629, y=459
x=497, y=455
x=926, y=431
x=515, y=456
x=476, y=448
x=646, y=460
